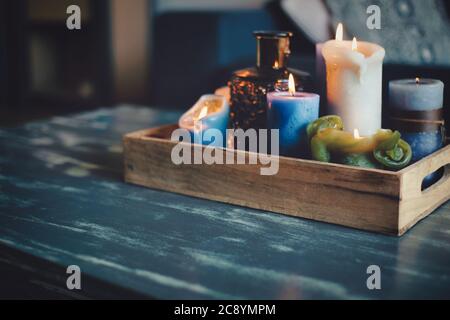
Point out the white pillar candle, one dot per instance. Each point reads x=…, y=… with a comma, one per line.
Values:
x=354, y=83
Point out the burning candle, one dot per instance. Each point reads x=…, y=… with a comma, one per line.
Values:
x=198, y=125
x=330, y=143
x=291, y=112
x=209, y=112
x=416, y=94
x=354, y=82
x=321, y=71
x=415, y=109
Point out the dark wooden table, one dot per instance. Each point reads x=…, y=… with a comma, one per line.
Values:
x=63, y=202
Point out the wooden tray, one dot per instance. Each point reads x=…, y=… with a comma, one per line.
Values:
x=368, y=199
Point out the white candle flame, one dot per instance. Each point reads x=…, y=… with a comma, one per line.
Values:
x=291, y=84
x=203, y=113
x=340, y=32
x=197, y=120
x=354, y=44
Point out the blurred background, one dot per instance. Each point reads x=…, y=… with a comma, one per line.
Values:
x=166, y=53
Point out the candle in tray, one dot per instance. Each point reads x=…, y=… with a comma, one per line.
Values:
x=209, y=112
x=321, y=70
x=291, y=112
x=354, y=83
x=415, y=109
x=330, y=143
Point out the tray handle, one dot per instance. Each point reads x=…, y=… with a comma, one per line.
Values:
x=413, y=178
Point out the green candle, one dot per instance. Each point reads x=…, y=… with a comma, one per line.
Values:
x=383, y=149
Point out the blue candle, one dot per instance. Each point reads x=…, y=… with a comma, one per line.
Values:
x=209, y=112
x=291, y=112
x=415, y=109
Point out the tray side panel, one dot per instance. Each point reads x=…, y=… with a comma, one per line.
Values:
x=416, y=204
x=355, y=198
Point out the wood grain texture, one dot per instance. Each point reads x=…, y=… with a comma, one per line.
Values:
x=361, y=198
x=63, y=200
x=416, y=204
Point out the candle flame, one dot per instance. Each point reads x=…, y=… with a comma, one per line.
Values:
x=340, y=32
x=356, y=134
x=197, y=120
x=417, y=80
x=203, y=113
x=275, y=65
x=291, y=84
x=354, y=44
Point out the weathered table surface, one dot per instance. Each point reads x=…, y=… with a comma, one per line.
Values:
x=63, y=199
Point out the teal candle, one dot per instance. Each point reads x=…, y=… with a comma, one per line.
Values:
x=209, y=112
x=291, y=114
